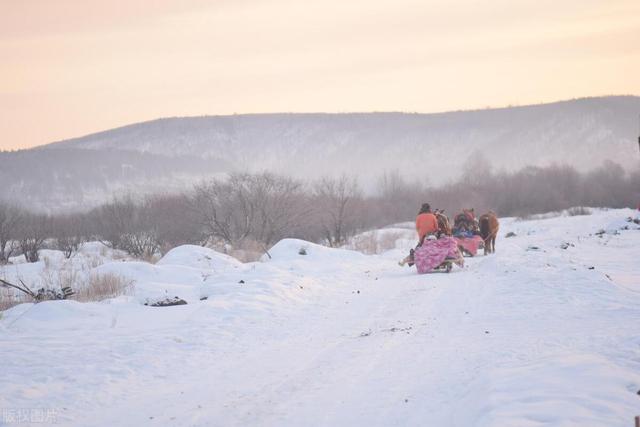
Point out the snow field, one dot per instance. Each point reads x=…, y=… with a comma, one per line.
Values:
x=533, y=335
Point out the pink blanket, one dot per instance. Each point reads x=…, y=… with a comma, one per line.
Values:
x=470, y=244
x=433, y=252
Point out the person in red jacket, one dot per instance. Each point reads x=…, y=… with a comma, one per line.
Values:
x=426, y=222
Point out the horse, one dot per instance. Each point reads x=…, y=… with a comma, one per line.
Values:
x=489, y=226
x=444, y=227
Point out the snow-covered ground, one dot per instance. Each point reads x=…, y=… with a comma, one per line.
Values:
x=543, y=333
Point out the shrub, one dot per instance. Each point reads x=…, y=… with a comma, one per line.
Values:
x=374, y=242
x=367, y=243
x=102, y=286
x=10, y=298
x=248, y=250
x=578, y=210
x=95, y=287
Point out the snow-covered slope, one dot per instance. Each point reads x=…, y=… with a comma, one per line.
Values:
x=541, y=333
x=582, y=133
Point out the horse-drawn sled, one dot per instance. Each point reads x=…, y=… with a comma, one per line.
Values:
x=442, y=246
x=473, y=235
x=437, y=251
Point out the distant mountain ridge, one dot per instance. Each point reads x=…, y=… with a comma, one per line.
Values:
x=582, y=133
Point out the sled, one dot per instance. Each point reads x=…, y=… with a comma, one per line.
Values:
x=469, y=246
x=435, y=255
x=445, y=267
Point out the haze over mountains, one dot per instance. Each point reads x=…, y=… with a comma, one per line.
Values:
x=172, y=153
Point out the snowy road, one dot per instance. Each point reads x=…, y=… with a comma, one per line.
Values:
x=530, y=336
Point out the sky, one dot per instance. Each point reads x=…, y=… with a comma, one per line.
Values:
x=74, y=67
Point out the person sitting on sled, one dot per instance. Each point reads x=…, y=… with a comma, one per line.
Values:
x=426, y=224
x=465, y=224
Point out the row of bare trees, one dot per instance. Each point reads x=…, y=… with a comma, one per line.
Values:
x=242, y=210
x=264, y=208
x=257, y=210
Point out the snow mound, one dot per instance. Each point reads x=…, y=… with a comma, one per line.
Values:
x=297, y=249
x=152, y=282
x=199, y=257
x=57, y=316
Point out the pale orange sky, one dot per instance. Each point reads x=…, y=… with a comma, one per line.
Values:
x=72, y=67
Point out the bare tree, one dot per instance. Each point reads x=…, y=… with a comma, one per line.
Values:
x=33, y=232
x=69, y=233
x=127, y=225
x=173, y=221
x=113, y=220
x=281, y=207
x=337, y=208
x=605, y=186
x=396, y=199
x=261, y=207
x=10, y=217
x=222, y=210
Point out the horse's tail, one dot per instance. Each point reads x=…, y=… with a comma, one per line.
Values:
x=485, y=227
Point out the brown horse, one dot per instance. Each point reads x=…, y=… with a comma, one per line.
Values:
x=489, y=226
x=444, y=227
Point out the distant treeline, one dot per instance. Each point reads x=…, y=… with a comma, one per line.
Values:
x=61, y=177
x=244, y=214
x=528, y=191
